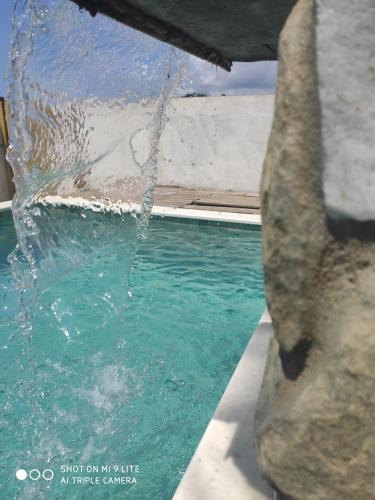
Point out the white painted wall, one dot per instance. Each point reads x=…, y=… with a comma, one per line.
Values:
x=215, y=142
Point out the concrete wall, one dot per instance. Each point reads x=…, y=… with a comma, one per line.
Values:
x=215, y=142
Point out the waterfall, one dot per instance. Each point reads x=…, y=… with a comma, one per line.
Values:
x=87, y=99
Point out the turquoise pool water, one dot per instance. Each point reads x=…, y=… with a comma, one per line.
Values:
x=105, y=386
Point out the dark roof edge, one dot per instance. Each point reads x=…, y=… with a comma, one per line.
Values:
x=136, y=18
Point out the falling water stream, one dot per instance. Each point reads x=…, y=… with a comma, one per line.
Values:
x=87, y=98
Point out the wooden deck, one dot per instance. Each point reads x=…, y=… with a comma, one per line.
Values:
x=206, y=199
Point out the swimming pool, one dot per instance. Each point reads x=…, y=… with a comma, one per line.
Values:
x=133, y=387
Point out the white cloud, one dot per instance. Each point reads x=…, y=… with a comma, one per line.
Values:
x=245, y=78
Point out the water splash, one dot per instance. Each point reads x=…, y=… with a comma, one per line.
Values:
x=87, y=99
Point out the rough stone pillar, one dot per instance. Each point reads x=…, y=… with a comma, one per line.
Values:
x=316, y=412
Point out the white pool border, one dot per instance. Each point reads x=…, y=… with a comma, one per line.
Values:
x=224, y=466
x=5, y=205
x=160, y=211
x=209, y=215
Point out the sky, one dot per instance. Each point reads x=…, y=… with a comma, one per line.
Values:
x=244, y=79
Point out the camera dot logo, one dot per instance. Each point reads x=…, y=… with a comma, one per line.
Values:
x=35, y=474
x=21, y=474
x=48, y=474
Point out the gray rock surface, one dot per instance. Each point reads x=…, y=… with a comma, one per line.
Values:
x=315, y=416
x=346, y=75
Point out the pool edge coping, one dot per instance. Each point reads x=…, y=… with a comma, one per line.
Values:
x=230, y=435
x=5, y=205
x=187, y=213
